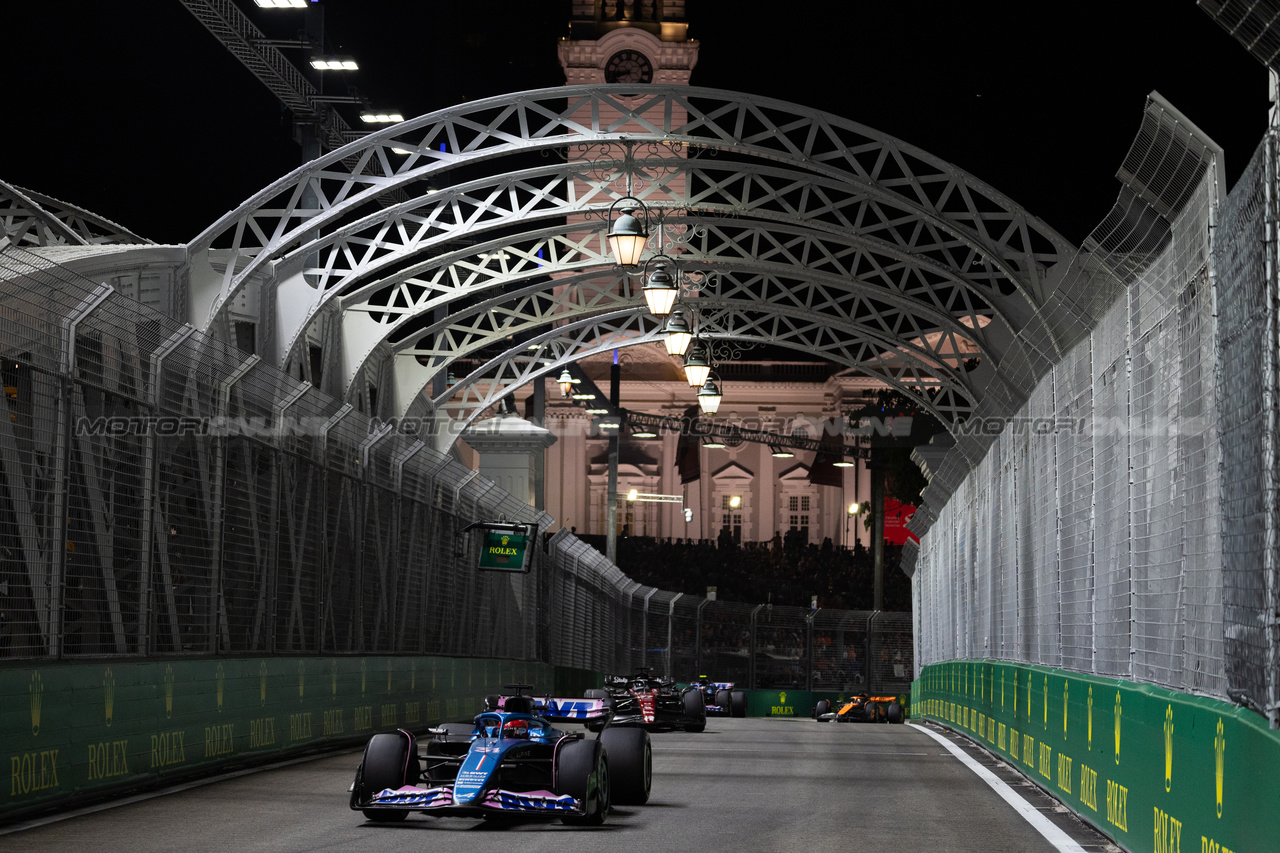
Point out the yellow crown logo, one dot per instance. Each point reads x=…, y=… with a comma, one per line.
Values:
x=364, y=671
x=505, y=539
x=168, y=692
x=1219, y=761
x=333, y=676
x=302, y=678
x=1090, y=703
x=782, y=698
x=262, y=682
x=220, y=679
x=36, y=689
x=1117, y=727
x=1168, y=747
x=109, y=693
x=1066, y=687
x=388, y=675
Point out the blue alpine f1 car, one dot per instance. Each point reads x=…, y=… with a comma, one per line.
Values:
x=511, y=761
x=721, y=699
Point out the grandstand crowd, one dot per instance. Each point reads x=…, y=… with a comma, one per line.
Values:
x=783, y=571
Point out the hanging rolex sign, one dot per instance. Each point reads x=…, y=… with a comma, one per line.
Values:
x=505, y=547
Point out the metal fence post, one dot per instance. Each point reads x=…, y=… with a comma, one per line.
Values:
x=671, y=618
x=698, y=637
x=326, y=564
x=57, y=578
x=217, y=598
x=808, y=675
x=149, y=529
x=751, y=647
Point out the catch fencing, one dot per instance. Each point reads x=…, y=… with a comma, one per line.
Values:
x=1134, y=536
x=163, y=493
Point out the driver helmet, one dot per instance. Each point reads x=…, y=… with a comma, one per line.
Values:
x=516, y=729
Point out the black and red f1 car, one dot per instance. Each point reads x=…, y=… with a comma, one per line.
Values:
x=652, y=702
x=859, y=709
x=720, y=698
x=510, y=761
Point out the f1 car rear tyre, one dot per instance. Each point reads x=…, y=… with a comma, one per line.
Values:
x=894, y=714
x=582, y=772
x=722, y=699
x=695, y=708
x=390, y=761
x=823, y=707
x=737, y=704
x=630, y=754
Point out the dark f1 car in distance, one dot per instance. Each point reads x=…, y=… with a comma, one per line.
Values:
x=511, y=761
x=859, y=709
x=721, y=699
x=652, y=702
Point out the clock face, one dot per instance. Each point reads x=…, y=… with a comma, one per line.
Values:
x=628, y=66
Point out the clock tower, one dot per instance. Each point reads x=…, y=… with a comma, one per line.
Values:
x=628, y=41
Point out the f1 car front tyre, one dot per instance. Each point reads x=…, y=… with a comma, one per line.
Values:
x=695, y=709
x=630, y=755
x=823, y=707
x=582, y=772
x=737, y=704
x=597, y=693
x=390, y=761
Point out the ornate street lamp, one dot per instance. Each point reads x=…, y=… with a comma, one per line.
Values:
x=709, y=395
x=660, y=290
x=627, y=234
x=678, y=334
x=565, y=382
x=696, y=364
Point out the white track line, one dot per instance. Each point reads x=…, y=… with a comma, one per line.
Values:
x=1039, y=822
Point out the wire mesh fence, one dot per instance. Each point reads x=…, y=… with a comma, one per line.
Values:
x=1135, y=537
x=162, y=493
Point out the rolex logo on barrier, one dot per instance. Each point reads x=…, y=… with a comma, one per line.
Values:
x=168, y=692
x=1168, y=748
x=1117, y=727
x=36, y=689
x=1219, y=760
x=109, y=693
x=220, y=682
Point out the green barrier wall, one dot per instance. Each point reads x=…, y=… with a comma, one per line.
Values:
x=74, y=732
x=1154, y=769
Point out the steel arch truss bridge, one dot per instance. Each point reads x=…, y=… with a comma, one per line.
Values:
x=471, y=243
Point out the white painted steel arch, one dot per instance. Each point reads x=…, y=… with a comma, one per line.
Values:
x=827, y=236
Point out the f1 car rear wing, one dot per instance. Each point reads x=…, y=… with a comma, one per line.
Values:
x=572, y=710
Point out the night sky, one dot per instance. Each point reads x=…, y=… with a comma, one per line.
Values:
x=134, y=111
